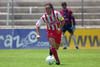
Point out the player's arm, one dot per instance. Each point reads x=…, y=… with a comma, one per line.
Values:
x=73, y=19
x=73, y=22
x=38, y=34
x=38, y=27
x=61, y=19
x=62, y=22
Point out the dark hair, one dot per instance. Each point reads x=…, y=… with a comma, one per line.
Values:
x=51, y=6
x=63, y=4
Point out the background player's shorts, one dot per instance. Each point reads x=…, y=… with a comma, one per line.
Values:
x=54, y=34
x=67, y=28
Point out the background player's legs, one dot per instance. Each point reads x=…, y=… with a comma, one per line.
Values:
x=63, y=37
x=64, y=41
x=53, y=49
x=74, y=39
x=72, y=36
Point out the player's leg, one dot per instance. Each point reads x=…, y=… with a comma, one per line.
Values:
x=50, y=52
x=64, y=40
x=58, y=40
x=49, y=34
x=73, y=37
x=53, y=49
x=57, y=46
x=63, y=37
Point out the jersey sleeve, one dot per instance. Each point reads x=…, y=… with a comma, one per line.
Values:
x=39, y=22
x=72, y=17
x=60, y=17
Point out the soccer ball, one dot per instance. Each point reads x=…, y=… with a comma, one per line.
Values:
x=50, y=60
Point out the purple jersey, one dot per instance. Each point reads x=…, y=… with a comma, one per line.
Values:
x=67, y=14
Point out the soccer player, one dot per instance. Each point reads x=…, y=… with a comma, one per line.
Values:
x=54, y=22
x=69, y=24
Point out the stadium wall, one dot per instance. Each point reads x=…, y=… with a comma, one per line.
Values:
x=19, y=38
x=86, y=39
x=26, y=39
x=22, y=39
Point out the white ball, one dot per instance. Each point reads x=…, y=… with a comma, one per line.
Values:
x=50, y=59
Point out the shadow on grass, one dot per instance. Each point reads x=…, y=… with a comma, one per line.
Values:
x=62, y=65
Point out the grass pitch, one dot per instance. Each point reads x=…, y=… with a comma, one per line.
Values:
x=36, y=58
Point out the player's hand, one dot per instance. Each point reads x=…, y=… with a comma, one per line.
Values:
x=38, y=37
x=73, y=28
x=59, y=30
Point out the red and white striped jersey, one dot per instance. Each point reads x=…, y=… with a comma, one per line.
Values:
x=52, y=21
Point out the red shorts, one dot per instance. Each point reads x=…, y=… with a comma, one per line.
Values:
x=54, y=34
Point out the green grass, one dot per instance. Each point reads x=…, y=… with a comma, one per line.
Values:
x=36, y=58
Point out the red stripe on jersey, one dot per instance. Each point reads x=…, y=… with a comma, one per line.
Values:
x=55, y=27
x=47, y=21
x=52, y=23
x=50, y=18
x=53, y=14
x=50, y=27
x=57, y=16
x=58, y=24
x=46, y=18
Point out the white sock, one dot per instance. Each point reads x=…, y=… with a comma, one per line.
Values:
x=64, y=41
x=74, y=38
